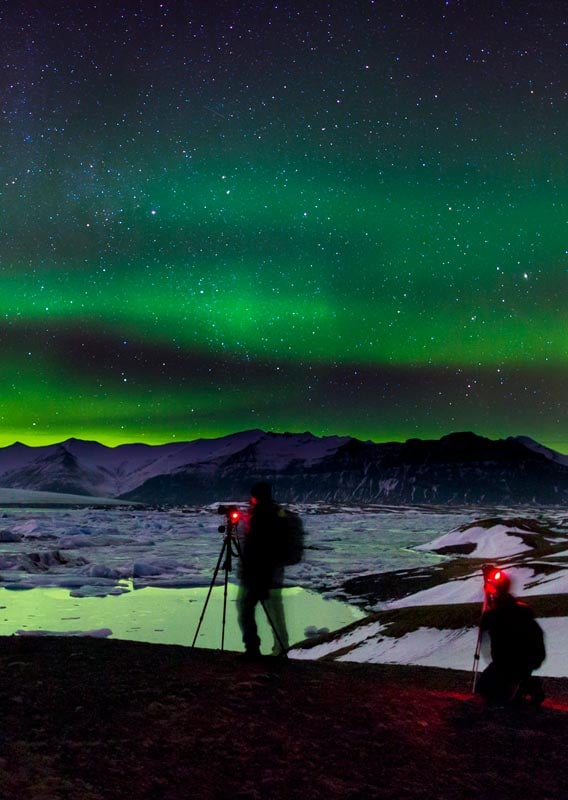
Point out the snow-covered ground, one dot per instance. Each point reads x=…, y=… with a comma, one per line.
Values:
x=27, y=497
x=503, y=541
x=432, y=647
x=144, y=574
x=453, y=648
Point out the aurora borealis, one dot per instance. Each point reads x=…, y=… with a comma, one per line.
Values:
x=342, y=217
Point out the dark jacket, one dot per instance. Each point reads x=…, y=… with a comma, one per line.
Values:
x=517, y=645
x=261, y=566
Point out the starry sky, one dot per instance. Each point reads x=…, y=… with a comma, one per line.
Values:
x=345, y=217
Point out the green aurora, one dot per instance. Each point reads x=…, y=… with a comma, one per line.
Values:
x=356, y=226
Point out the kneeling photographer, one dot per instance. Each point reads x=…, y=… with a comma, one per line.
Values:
x=517, y=645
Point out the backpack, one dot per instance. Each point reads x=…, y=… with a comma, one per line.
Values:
x=290, y=537
x=536, y=651
x=516, y=637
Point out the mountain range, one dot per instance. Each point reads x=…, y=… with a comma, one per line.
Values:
x=458, y=469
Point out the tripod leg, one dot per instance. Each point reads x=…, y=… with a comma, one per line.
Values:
x=476, y=656
x=275, y=628
x=219, y=560
x=227, y=568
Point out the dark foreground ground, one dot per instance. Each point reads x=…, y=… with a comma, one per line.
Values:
x=98, y=719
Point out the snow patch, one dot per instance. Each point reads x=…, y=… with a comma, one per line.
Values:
x=466, y=590
x=498, y=541
x=427, y=647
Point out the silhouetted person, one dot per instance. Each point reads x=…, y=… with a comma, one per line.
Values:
x=262, y=572
x=517, y=648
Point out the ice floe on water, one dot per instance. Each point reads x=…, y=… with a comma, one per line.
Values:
x=44, y=548
x=100, y=633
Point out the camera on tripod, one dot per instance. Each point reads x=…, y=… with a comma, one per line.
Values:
x=232, y=515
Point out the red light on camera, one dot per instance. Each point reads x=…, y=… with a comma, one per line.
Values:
x=235, y=516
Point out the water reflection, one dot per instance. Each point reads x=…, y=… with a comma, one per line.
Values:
x=165, y=616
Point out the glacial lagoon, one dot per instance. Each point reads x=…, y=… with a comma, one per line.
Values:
x=163, y=616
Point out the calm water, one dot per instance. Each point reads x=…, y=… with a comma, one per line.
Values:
x=164, y=616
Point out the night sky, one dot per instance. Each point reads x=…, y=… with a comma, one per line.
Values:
x=343, y=217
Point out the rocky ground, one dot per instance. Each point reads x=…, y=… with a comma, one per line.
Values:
x=96, y=719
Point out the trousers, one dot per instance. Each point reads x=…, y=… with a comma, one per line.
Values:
x=247, y=600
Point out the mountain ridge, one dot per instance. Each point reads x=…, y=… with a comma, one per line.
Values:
x=460, y=468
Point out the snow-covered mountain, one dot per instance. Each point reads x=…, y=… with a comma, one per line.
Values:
x=458, y=469
x=536, y=447
x=90, y=468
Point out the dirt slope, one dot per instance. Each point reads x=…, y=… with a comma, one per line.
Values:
x=99, y=719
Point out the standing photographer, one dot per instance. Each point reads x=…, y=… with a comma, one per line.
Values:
x=262, y=573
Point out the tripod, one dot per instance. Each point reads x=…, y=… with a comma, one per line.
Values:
x=488, y=571
x=231, y=548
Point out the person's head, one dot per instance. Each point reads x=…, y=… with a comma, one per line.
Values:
x=503, y=586
x=498, y=584
x=261, y=493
